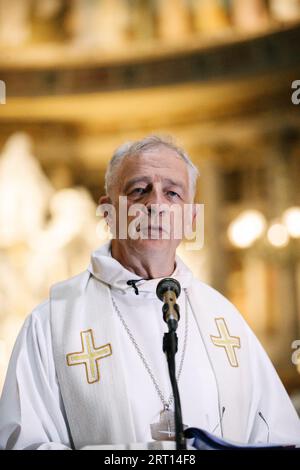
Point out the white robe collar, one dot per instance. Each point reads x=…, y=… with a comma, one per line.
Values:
x=108, y=270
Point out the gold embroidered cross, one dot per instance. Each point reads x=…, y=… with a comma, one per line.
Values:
x=226, y=341
x=89, y=356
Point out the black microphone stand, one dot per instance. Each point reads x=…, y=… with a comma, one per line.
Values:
x=170, y=342
x=167, y=291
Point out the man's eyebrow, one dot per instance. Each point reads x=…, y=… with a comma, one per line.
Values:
x=147, y=179
x=137, y=179
x=174, y=183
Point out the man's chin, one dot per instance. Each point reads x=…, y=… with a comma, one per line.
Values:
x=154, y=244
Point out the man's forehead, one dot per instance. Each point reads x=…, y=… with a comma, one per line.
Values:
x=159, y=162
x=160, y=157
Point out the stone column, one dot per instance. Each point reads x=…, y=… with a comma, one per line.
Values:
x=211, y=185
x=173, y=19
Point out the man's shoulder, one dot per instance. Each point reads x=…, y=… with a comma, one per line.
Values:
x=39, y=317
x=210, y=293
x=214, y=301
x=214, y=305
x=78, y=281
x=41, y=310
x=41, y=313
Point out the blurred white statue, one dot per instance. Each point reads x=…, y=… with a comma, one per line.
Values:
x=24, y=191
x=62, y=248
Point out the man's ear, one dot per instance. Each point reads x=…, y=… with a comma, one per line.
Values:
x=104, y=199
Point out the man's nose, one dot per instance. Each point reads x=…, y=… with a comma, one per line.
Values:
x=154, y=200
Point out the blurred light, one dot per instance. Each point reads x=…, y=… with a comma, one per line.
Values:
x=291, y=219
x=246, y=228
x=278, y=235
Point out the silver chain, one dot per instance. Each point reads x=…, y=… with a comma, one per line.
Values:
x=165, y=403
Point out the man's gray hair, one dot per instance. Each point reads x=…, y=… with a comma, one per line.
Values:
x=139, y=147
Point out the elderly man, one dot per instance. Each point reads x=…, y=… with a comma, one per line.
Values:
x=88, y=366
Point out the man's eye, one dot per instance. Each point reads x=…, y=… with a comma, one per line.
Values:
x=138, y=191
x=173, y=194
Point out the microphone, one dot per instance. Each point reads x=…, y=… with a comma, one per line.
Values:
x=167, y=290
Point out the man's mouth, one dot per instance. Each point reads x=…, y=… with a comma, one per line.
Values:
x=160, y=229
x=152, y=229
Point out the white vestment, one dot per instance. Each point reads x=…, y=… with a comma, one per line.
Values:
x=51, y=399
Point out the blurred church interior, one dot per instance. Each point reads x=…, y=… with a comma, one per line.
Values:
x=83, y=76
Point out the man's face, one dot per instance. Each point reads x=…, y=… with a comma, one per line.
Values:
x=158, y=177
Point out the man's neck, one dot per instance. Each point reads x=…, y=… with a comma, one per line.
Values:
x=147, y=266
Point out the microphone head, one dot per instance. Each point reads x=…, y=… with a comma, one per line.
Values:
x=168, y=283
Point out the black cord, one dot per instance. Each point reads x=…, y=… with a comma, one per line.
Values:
x=266, y=423
x=132, y=283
